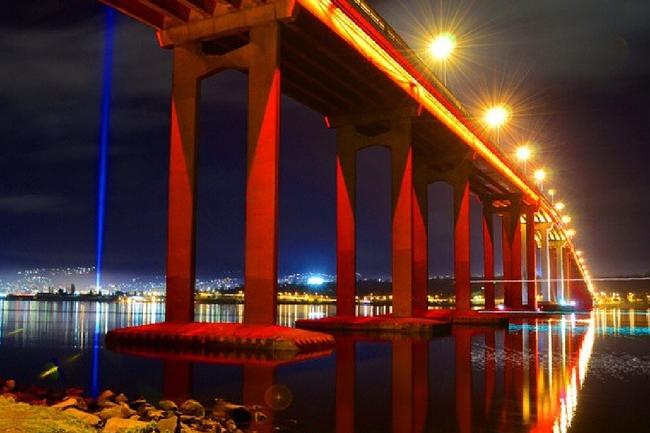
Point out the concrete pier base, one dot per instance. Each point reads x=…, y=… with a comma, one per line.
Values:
x=220, y=338
x=377, y=324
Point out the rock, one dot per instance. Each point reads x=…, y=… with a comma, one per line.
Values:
x=156, y=414
x=65, y=404
x=120, y=425
x=144, y=409
x=88, y=418
x=121, y=398
x=230, y=425
x=105, y=396
x=223, y=409
x=10, y=385
x=135, y=404
x=167, y=405
x=188, y=429
x=193, y=408
x=168, y=425
x=120, y=411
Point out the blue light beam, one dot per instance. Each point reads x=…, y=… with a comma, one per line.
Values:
x=107, y=80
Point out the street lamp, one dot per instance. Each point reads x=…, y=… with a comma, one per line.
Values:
x=441, y=49
x=539, y=176
x=496, y=117
x=523, y=154
x=566, y=219
x=559, y=206
x=552, y=192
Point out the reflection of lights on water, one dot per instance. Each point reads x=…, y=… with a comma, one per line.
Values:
x=51, y=370
x=316, y=314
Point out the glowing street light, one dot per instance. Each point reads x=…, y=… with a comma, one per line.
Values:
x=571, y=233
x=552, y=192
x=539, y=176
x=441, y=49
x=496, y=117
x=566, y=219
x=559, y=206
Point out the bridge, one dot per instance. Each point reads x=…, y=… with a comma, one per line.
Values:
x=341, y=59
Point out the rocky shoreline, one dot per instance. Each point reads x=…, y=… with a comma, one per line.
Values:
x=70, y=411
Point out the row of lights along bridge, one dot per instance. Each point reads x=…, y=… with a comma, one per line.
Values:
x=442, y=48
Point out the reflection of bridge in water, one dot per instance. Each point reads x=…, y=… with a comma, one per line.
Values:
x=342, y=60
x=522, y=379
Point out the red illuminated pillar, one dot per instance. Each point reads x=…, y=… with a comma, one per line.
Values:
x=402, y=222
x=462, y=244
x=420, y=244
x=345, y=222
x=512, y=258
x=488, y=255
x=181, y=219
x=531, y=265
x=345, y=384
x=261, y=253
x=567, y=261
x=553, y=284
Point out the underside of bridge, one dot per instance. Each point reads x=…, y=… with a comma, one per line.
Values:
x=340, y=59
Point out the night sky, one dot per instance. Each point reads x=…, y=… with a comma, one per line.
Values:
x=577, y=75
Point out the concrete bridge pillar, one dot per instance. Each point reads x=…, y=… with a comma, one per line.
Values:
x=488, y=254
x=261, y=239
x=181, y=216
x=511, y=228
x=420, y=239
x=531, y=257
x=402, y=223
x=462, y=241
x=346, y=251
x=560, y=271
x=567, y=263
x=409, y=231
x=554, y=272
x=544, y=231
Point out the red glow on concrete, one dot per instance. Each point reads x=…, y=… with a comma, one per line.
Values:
x=420, y=249
x=531, y=264
x=181, y=231
x=261, y=244
x=462, y=245
x=488, y=258
x=220, y=338
x=402, y=169
x=345, y=232
x=405, y=325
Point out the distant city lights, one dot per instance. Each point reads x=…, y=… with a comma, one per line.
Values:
x=315, y=281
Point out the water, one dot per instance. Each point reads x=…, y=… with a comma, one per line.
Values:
x=579, y=374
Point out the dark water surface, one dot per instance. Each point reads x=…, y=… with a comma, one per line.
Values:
x=579, y=374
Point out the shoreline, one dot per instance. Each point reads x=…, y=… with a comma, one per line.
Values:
x=37, y=409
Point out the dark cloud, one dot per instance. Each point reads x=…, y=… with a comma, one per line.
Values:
x=30, y=204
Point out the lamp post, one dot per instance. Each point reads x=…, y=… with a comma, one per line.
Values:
x=441, y=48
x=523, y=154
x=540, y=175
x=496, y=117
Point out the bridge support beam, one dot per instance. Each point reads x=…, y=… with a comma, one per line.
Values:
x=511, y=228
x=420, y=240
x=567, y=276
x=554, y=272
x=560, y=271
x=402, y=222
x=346, y=250
x=462, y=242
x=531, y=264
x=181, y=216
x=545, y=258
x=261, y=243
x=488, y=255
